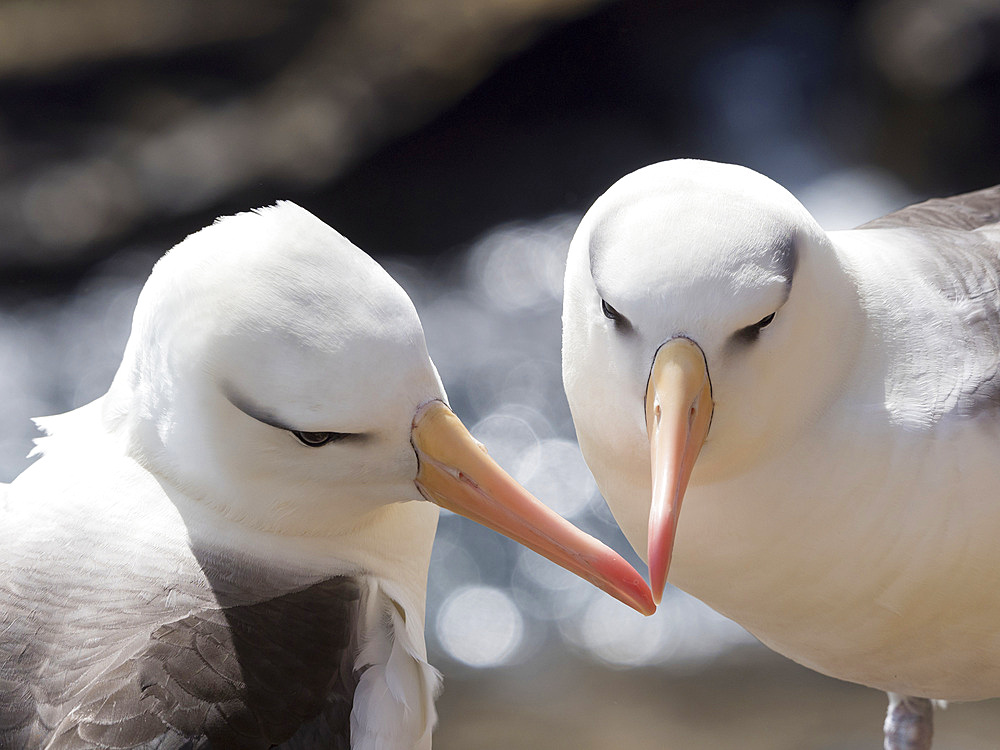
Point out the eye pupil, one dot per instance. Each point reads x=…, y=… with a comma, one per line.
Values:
x=314, y=439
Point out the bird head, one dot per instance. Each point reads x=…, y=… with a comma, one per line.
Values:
x=689, y=340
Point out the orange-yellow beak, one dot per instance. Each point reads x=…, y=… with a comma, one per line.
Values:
x=678, y=414
x=456, y=473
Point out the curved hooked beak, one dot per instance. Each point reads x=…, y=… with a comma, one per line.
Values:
x=679, y=410
x=456, y=473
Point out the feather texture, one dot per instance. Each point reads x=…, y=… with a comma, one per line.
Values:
x=395, y=696
x=967, y=211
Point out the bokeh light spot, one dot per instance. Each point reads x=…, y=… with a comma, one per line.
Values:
x=480, y=626
x=617, y=635
x=555, y=472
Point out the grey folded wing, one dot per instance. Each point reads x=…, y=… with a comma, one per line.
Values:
x=275, y=674
x=946, y=268
x=966, y=211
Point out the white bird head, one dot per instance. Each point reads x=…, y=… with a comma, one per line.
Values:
x=280, y=376
x=273, y=363
x=688, y=335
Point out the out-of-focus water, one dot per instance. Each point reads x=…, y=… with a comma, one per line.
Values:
x=492, y=320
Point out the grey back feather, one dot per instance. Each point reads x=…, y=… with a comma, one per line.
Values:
x=966, y=211
x=273, y=673
x=946, y=305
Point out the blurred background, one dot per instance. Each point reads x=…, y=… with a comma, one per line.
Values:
x=459, y=142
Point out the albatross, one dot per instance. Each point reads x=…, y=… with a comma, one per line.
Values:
x=825, y=404
x=229, y=549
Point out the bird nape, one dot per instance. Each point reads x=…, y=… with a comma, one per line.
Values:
x=230, y=547
x=824, y=403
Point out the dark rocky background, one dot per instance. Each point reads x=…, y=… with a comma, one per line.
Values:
x=415, y=127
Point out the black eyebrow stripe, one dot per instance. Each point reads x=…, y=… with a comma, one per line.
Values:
x=246, y=406
x=252, y=410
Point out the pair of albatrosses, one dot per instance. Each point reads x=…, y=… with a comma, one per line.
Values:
x=220, y=551
x=229, y=549
x=826, y=405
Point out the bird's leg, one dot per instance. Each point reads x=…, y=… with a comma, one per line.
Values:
x=909, y=723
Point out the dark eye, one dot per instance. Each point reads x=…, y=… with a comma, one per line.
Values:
x=622, y=324
x=611, y=313
x=750, y=333
x=764, y=322
x=317, y=439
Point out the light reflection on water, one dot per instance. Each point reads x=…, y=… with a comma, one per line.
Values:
x=493, y=329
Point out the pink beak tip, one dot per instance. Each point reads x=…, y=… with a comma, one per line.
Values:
x=660, y=547
x=642, y=600
x=656, y=590
x=648, y=604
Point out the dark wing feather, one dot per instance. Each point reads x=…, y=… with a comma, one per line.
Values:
x=966, y=211
x=252, y=676
x=17, y=712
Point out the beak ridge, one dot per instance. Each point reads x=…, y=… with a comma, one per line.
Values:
x=679, y=410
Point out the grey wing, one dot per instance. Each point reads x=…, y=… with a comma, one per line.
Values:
x=947, y=262
x=966, y=211
x=254, y=676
